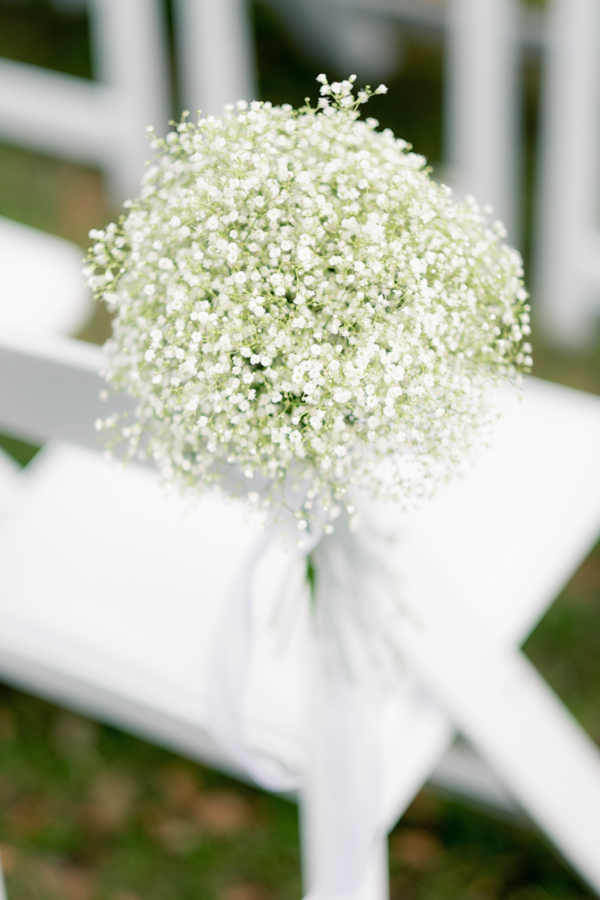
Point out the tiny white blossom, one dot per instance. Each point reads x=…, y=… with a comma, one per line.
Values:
x=293, y=293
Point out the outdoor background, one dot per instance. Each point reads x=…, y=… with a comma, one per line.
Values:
x=90, y=813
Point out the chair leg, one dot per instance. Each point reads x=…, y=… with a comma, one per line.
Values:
x=314, y=855
x=377, y=882
x=511, y=716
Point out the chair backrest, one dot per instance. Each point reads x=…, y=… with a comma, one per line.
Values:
x=483, y=141
x=215, y=54
x=101, y=122
x=482, y=127
x=567, y=284
x=50, y=388
x=482, y=39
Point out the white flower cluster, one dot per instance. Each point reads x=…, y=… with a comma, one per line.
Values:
x=294, y=294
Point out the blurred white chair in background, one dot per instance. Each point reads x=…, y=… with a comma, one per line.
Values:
x=102, y=122
x=567, y=227
x=483, y=155
x=482, y=128
x=99, y=123
x=484, y=145
x=483, y=40
x=215, y=54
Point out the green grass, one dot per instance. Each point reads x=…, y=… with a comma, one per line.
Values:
x=87, y=811
x=20, y=451
x=90, y=813
x=31, y=32
x=566, y=645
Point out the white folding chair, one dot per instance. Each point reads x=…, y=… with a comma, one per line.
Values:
x=482, y=130
x=131, y=644
x=215, y=54
x=41, y=286
x=567, y=284
x=483, y=40
x=101, y=122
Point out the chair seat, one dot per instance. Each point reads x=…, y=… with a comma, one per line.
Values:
x=42, y=284
x=129, y=609
x=111, y=592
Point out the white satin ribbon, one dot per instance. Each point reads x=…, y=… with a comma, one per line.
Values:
x=342, y=785
x=228, y=678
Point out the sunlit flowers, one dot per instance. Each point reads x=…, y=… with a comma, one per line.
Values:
x=296, y=299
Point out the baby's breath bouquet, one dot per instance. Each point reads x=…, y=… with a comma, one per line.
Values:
x=301, y=311
x=296, y=298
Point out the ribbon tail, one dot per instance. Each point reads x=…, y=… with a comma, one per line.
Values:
x=228, y=678
x=342, y=790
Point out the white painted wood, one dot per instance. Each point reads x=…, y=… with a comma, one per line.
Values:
x=505, y=708
x=122, y=657
x=567, y=288
x=124, y=648
x=129, y=53
x=56, y=113
x=50, y=387
x=483, y=40
x=376, y=884
x=431, y=16
x=96, y=123
x=558, y=488
x=215, y=54
x=460, y=770
x=482, y=116
x=42, y=283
